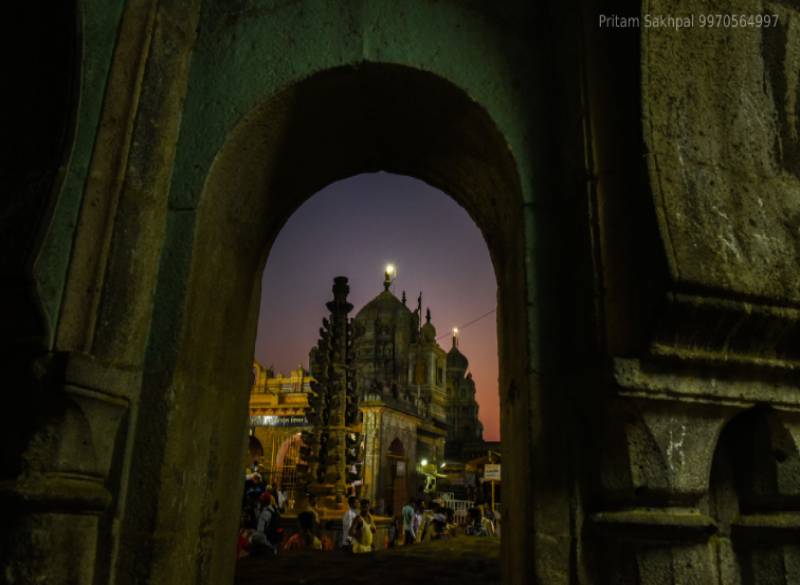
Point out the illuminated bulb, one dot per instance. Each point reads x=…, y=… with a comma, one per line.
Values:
x=443, y=464
x=390, y=269
x=424, y=462
x=455, y=331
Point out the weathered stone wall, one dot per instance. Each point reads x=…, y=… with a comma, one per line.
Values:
x=713, y=338
x=720, y=126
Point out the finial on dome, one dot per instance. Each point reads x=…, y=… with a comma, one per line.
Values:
x=389, y=275
x=404, y=298
x=455, y=337
x=419, y=311
x=428, y=315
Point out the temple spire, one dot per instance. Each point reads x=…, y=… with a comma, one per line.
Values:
x=419, y=312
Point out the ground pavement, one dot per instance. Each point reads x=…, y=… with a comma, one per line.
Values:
x=462, y=560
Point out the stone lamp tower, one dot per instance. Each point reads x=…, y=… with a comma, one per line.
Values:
x=328, y=448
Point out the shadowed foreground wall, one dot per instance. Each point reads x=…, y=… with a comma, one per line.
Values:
x=638, y=190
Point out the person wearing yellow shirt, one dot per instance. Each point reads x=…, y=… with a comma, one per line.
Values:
x=362, y=530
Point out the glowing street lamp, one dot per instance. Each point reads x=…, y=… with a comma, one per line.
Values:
x=424, y=462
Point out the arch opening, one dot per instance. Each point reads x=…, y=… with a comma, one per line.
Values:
x=333, y=125
x=416, y=264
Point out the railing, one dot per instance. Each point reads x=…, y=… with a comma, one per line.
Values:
x=460, y=509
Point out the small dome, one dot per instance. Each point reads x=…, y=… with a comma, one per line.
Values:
x=456, y=359
x=428, y=332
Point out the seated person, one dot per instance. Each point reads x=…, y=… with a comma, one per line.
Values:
x=475, y=522
x=439, y=522
x=452, y=525
x=304, y=538
x=487, y=526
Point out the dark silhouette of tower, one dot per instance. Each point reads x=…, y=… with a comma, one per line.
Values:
x=330, y=447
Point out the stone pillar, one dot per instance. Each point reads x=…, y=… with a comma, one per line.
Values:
x=652, y=524
x=371, y=429
x=63, y=507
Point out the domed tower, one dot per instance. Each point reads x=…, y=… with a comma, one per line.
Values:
x=400, y=371
x=383, y=331
x=464, y=430
x=427, y=373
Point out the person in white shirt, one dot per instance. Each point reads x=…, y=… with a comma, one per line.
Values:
x=282, y=497
x=347, y=522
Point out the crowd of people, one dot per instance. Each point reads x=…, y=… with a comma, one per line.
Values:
x=260, y=530
x=420, y=520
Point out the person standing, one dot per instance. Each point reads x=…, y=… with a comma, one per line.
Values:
x=408, y=522
x=312, y=507
x=417, y=522
x=363, y=529
x=347, y=522
x=265, y=535
x=282, y=497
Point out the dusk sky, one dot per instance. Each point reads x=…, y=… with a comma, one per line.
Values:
x=353, y=228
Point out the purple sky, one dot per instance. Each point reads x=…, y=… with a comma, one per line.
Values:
x=353, y=228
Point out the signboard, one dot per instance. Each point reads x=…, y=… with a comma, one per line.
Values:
x=491, y=472
x=278, y=421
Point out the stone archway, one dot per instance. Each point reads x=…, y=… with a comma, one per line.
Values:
x=580, y=153
x=332, y=125
x=286, y=460
x=396, y=448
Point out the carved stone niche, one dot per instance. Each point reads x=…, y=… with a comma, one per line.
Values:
x=755, y=498
x=58, y=510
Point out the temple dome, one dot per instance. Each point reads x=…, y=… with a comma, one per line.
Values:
x=428, y=332
x=456, y=360
x=384, y=303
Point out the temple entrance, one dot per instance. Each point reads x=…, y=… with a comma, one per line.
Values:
x=286, y=462
x=398, y=492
